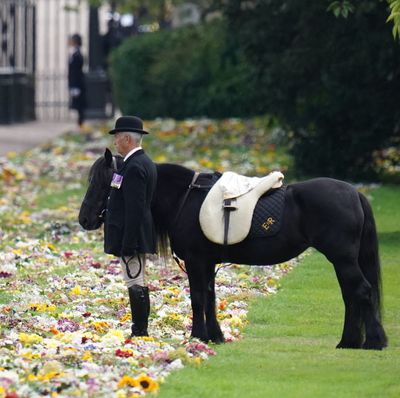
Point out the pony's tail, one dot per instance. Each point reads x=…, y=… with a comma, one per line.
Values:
x=163, y=244
x=368, y=257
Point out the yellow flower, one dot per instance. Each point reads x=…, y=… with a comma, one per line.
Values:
x=175, y=317
x=51, y=375
x=45, y=377
x=126, y=317
x=160, y=158
x=11, y=154
x=2, y=392
x=78, y=291
x=87, y=356
x=24, y=217
x=27, y=338
x=128, y=381
x=116, y=333
x=147, y=383
x=30, y=355
x=40, y=307
x=51, y=247
x=101, y=326
x=235, y=321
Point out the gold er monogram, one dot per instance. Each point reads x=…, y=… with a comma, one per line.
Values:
x=266, y=224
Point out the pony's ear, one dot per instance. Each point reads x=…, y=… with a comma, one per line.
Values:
x=108, y=157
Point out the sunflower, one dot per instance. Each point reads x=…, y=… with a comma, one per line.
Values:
x=128, y=381
x=147, y=383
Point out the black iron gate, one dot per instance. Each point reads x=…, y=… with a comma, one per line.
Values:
x=17, y=60
x=34, y=60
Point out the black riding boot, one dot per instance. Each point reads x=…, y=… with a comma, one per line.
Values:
x=140, y=309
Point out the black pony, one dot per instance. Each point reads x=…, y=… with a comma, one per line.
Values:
x=323, y=213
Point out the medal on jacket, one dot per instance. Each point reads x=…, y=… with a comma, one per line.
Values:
x=116, y=181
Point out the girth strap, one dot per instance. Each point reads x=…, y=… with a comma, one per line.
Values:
x=228, y=207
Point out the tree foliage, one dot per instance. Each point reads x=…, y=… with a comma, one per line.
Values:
x=156, y=7
x=192, y=71
x=334, y=82
x=395, y=17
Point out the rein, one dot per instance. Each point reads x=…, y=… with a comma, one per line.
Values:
x=114, y=169
x=190, y=187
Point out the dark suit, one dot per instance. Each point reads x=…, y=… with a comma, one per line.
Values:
x=129, y=227
x=76, y=79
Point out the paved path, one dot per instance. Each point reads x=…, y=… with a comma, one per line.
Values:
x=18, y=137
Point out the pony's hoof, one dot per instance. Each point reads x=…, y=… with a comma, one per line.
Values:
x=201, y=337
x=378, y=341
x=374, y=345
x=349, y=345
x=218, y=339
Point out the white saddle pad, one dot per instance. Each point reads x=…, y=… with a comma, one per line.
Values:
x=244, y=193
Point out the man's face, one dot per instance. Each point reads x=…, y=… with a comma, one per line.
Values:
x=122, y=143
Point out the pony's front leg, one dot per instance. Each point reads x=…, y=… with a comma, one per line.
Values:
x=213, y=329
x=198, y=297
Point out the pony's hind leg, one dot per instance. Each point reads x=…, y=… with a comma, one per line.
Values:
x=355, y=292
x=360, y=312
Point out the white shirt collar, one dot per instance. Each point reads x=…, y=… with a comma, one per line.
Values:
x=130, y=153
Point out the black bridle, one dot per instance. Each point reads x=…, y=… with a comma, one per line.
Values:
x=102, y=214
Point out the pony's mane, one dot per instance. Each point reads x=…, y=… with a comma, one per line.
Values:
x=174, y=173
x=178, y=177
x=96, y=168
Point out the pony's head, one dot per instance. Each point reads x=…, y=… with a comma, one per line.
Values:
x=91, y=214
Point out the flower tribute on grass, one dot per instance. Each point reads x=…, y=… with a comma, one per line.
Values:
x=64, y=312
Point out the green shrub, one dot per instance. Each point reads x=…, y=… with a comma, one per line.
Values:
x=333, y=82
x=187, y=72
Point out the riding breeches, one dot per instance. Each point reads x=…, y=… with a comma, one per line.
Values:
x=133, y=270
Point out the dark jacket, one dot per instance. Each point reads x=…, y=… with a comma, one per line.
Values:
x=129, y=227
x=76, y=79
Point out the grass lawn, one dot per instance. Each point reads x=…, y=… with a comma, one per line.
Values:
x=288, y=348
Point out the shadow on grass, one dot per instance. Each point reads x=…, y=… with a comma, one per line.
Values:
x=389, y=238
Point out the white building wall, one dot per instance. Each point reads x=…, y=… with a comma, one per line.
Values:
x=56, y=20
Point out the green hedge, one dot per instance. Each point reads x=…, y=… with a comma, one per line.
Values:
x=187, y=72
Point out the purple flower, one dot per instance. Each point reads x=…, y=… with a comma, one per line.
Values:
x=67, y=325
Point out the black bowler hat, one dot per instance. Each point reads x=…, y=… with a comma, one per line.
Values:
x=128, y=124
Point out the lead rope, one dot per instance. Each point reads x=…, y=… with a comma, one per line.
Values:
x=115, y=169
x=181, y=264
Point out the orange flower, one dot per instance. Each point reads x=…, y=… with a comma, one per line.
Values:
x=222, y=304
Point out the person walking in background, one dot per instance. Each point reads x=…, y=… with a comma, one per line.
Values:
x=76, y=79
x=129, y=231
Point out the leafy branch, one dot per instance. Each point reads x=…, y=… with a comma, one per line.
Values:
x=395, y=17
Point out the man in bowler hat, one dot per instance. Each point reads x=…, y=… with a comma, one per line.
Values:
x=129, y=229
